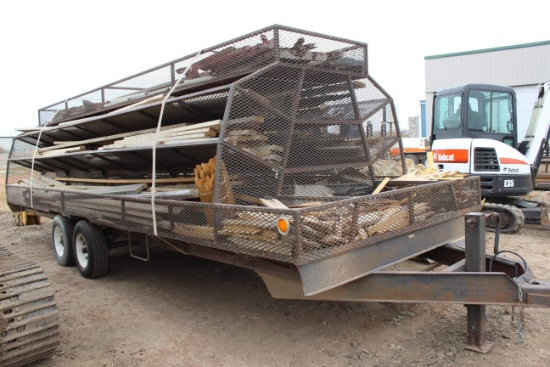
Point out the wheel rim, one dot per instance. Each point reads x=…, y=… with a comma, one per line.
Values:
x=81, y=249
x=58, y=241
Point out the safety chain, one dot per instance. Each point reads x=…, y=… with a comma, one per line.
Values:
x=521, y=319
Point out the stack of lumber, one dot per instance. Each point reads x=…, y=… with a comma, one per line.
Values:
x=174, y=135
x=205, y=174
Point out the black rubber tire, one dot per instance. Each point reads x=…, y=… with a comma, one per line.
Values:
x=64, y=227
x=94, y=248
x=413, y=157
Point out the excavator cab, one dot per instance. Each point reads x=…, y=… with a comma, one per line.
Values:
x=476, y=111
x=474, y=131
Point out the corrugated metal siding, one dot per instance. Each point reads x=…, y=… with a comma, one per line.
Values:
x=514, y=67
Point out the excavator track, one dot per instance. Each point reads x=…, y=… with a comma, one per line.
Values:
x=511, y=218
x=29, y=320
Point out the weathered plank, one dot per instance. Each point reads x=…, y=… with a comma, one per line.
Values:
x=125, y=181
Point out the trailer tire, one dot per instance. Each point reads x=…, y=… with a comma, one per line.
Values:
x=413, y=157
x=90, y=250
x=62, y=240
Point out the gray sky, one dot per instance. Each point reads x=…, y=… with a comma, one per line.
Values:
x=56, y=49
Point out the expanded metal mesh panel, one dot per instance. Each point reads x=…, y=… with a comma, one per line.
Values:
x=223, y=62
x=21, y=149
x=299, y=130
x=315, y=233
x=342, y=226
x=17, y=173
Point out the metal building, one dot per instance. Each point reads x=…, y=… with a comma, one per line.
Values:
x=521, y=67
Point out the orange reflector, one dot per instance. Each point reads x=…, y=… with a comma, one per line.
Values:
x=450, y=156
x=283, y=225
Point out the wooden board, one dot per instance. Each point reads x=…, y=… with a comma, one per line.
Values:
x=273, y=203
x=125, y=181
x=114, y=190
x=107, y=139
x=381, y=186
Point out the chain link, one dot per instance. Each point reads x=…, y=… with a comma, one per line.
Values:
x=521, y=319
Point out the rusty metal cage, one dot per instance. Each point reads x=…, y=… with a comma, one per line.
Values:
x=300, y=121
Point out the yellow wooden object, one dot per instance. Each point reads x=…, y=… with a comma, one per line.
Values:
x=26, y=218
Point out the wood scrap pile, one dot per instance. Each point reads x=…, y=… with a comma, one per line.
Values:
x=243, y=133
x=337, y=226
x=241, y=59
x=389, y=217
x=385, y=168
x=257, y=232
x=323, y=229
x=86, y=107
x=423, y=176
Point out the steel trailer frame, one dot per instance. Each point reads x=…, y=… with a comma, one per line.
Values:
x=327, y=132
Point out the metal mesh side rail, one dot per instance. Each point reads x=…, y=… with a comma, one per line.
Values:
x=316, y=232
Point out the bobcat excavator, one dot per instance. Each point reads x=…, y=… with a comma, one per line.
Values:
x=474, y=131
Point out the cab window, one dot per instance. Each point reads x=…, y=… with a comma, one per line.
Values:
x=447, y=112
x=494, y=112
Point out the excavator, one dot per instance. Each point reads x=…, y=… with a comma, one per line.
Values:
x=475, y=131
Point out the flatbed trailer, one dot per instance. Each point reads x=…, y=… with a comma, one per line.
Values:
x=295, y=122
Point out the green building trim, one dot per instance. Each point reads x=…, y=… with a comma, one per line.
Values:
x=473, y=52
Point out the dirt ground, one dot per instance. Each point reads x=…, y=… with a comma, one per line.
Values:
x=182, y=311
